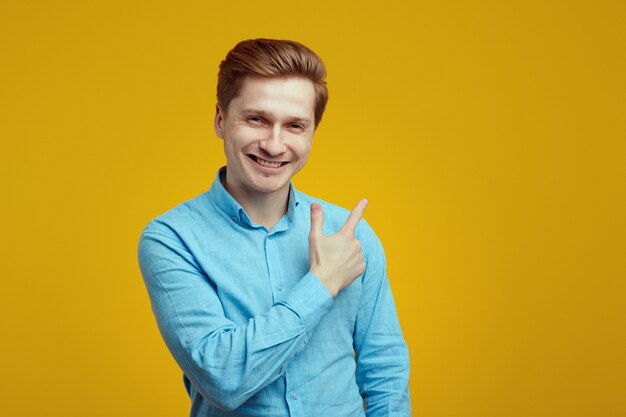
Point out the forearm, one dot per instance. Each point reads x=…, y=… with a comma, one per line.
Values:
x=382, y=354
x=383, y=378
x=229, y=364
x=226, y=361
x=383, y=362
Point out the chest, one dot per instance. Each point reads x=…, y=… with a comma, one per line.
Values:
x=250, y=272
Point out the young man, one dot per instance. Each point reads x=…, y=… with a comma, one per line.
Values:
x=272, y=302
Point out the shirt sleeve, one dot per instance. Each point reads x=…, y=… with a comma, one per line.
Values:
x=382, y=371
x=226, y=362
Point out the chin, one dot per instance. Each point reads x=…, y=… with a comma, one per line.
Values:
x=270, y=188
x=270, y=184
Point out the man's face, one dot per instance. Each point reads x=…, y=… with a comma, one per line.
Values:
x=267, y=132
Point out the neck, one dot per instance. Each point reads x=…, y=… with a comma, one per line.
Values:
x=265, y=209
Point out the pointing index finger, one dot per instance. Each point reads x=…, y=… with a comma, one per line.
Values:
x=355, y=215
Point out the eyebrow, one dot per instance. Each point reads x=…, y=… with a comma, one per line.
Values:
x=269, y=115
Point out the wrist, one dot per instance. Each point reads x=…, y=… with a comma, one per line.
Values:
x=323, y=278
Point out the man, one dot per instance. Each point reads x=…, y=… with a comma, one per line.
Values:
x=272, y=302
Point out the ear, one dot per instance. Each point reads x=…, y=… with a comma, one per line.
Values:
x=218, y=124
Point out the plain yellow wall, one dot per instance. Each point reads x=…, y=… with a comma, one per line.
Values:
x=489, y=137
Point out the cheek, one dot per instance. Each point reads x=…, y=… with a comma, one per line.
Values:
x=302, y=148
x=231, y=150
x=305, y=151
x=236, y=142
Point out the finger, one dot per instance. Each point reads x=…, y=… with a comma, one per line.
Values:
x=355, y=215
x=317, y=220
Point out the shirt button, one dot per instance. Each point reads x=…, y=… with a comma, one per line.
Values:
x=235, y=219
x=295, y=396
x=280, y=287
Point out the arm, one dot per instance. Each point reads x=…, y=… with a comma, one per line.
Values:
x=227, y=362
x=382, y=355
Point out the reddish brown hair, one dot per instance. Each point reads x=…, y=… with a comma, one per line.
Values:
x=271, y=58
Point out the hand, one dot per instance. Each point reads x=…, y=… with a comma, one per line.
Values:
x=336, y=259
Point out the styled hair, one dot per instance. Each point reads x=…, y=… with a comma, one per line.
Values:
x=271, y=58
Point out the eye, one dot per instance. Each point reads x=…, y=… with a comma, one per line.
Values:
x=296, y=126
x=256, y=120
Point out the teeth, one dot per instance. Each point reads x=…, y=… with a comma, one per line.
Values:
x=268, y=163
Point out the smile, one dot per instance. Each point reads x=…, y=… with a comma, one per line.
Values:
x=267, y=164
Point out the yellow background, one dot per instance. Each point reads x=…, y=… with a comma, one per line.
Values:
x=488, y=136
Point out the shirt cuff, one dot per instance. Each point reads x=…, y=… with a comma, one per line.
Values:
x=310, y=300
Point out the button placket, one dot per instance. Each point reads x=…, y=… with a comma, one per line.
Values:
x=274, y=265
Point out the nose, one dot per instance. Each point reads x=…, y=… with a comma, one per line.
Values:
x=273, y=143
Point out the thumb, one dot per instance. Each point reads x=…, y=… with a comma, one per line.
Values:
x=317, y=221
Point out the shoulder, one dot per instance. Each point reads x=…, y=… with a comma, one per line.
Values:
x=184, y=217
x=173, y=235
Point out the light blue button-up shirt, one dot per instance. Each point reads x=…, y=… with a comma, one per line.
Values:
x=255, y=333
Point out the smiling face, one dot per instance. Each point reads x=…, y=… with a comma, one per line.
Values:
x=267, y=131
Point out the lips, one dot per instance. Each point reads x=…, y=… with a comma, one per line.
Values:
x=266, y=163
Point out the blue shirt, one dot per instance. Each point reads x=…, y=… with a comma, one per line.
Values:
x=255, y=333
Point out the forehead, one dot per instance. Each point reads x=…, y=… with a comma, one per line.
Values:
x=281, y=97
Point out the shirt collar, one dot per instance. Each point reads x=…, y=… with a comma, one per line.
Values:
x=293, y=203
x=226, y=203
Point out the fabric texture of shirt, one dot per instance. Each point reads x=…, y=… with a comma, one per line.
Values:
x=254, y=332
